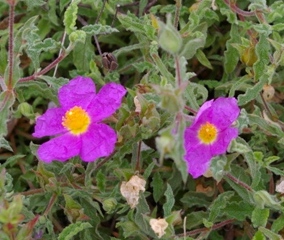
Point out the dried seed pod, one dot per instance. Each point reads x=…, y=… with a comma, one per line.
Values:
x=268, y=92
x=109, y=61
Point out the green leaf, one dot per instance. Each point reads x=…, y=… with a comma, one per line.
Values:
x=201, y=57
x=160, y=65
x=262, y=198
x=192, y=45
x=148, y=170
x=218, y=167
x=7, y=99
x=48, y=44
x=232, y=54
x=239, y=145
x=243, y=193
x=239, y=210
x=54, y=82
x=269, y=234
x=275, y=170
x=70, y=231
x=31, y=4
x=12, y=160
x=142, y=209
x=194, y=199
x=70, y=17
x=101, y=181
x=219, y=203
x=95, y=29
x=170, y=201
x=278, y=224
x=129, y=228
x=195, y=219
x=195, y=94
x=83, y=53
x=259, y=217
x=262, y=51
x=258, y=236
x=130, y=49
x=239, y=84
x=158, y=186
x=36, y=89
x=136, y=25
x=259, y=121
x=231, y=15
x=52, y=12
x=4, y=143
x=253, y=92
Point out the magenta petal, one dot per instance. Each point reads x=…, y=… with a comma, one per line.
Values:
x=107, y=101
x=223, y=141
x=50, y=123
x=204, y=106
x=190, y=138
x=78, y=92
x=224, y=112
x=98, y=142
x=198, y=160
x=60, y=148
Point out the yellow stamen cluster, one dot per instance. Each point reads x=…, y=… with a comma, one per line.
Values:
x=207, y=133
x=76, y=120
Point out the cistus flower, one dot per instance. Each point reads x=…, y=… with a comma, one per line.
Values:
x=77, y=122
x=210, y=134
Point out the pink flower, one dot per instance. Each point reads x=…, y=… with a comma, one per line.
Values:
x=77, y=122
x=210, y=134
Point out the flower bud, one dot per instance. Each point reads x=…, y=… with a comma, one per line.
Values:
x=109, y=205
x=165, y=143
x=169, y=38
x=77, y=36
x=249, y=57
x=263, y=198
x=26, y=110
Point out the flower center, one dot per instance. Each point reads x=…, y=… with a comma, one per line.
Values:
x=76, y=120
x=207, y=133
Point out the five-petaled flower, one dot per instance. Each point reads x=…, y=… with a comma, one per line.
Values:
x=210, y=134
x=77, y=125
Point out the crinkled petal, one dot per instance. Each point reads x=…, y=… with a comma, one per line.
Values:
x=107, y=101
x=222, y=113
x=190, y=138
x=198, y=160
x=223, y=141
x=78, y=92
x=50, y=123
x=60, y=148
x=204, y=106
x=98, y=142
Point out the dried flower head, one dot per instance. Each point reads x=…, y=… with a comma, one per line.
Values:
x=159, y=226
x=280, y=186
x=77, y=122
x=137, y=105
x=130, y=190
x=210, y=134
